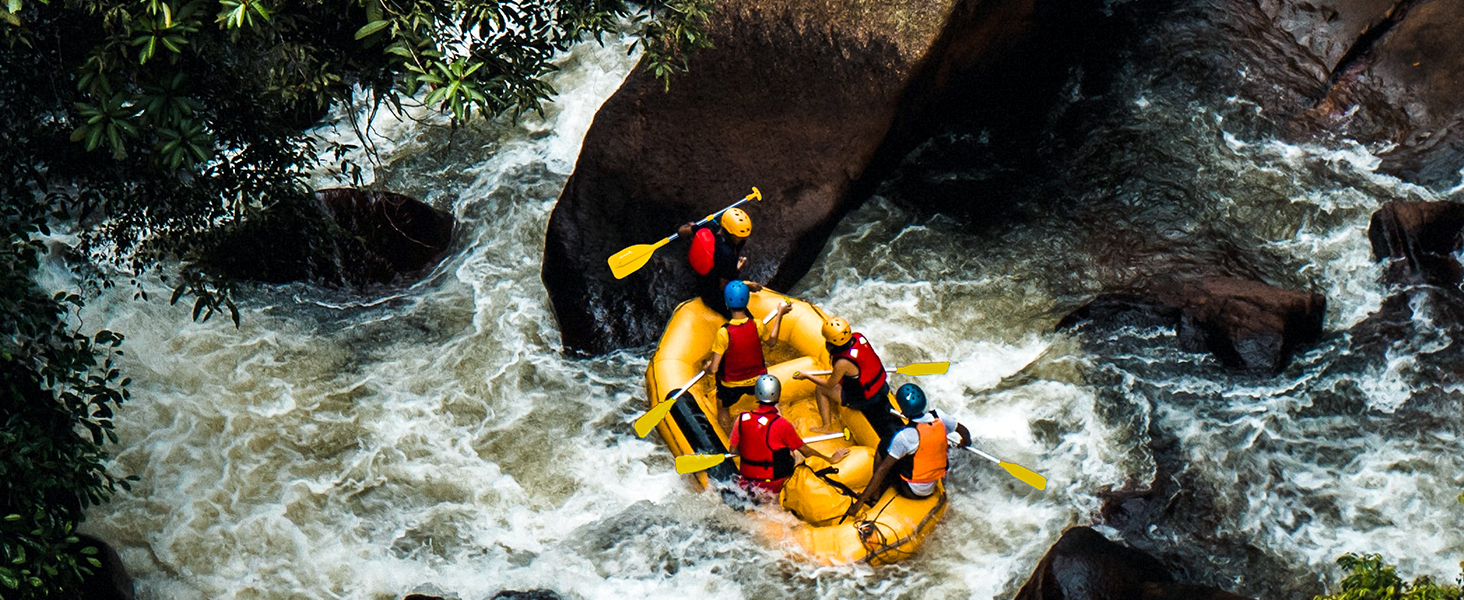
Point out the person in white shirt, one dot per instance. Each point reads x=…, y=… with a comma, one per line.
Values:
x=918, y=452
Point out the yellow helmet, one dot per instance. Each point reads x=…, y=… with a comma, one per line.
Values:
x=836, y=331
x=736, y=222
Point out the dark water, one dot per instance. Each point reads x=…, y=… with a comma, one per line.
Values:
x=439, y=440
x=1155, y=160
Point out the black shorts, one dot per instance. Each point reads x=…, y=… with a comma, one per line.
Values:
x=730, y=395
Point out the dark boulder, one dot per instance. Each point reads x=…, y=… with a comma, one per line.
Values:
x=1385, y=71
x=1246, y=324
x=108, y=582
x=1419, y=239
x=805, y=100
x=527, y=595
x=1084, y=565
x=407, y=234
x=344, y=238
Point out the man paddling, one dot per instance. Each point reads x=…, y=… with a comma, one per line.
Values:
x=716, y=256
x=858, y=381
x=766, y=441
x=917, y=453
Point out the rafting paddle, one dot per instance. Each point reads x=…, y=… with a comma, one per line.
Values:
x=1020, y=472
x=631, y=259
x=692, y=463
x=925, y=368
x=646, y=422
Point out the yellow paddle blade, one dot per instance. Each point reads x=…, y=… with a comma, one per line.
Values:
x=691, y=463
x=1026, y=475
x=631, y=259
x=648, y=421
x=926, y=368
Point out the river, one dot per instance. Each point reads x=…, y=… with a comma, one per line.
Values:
x=437, y=440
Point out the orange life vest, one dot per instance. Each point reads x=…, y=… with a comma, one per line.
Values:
x=744, y=357
x=930, y=459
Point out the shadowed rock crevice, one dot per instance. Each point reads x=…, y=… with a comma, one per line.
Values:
x=349, y=238
x=1084, y=565
x=1246, y=324
x=1361, y=49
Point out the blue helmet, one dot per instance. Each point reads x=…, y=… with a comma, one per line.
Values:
x=736, y=294
x=911, y=400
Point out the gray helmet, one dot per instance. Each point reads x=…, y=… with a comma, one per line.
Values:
x=767, y=389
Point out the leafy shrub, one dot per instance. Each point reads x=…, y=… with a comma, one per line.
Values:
x=57, y=392
x=1369, y=578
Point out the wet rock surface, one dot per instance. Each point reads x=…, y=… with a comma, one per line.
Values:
x=803, y=99
x=527, y=595
x=1388, y=73
x=1246, y=324
x=1084, y=565
x=347, y=238
x=1419, y=239
x=405, y=233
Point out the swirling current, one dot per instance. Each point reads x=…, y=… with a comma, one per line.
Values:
x=437, y=440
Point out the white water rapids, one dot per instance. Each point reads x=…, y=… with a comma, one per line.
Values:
x=438, y=441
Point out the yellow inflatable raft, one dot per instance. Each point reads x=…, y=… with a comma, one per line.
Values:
x=890, y=530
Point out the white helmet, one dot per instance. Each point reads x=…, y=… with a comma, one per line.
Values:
x=767, y=389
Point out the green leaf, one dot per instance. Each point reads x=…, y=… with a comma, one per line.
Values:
x=371, y=28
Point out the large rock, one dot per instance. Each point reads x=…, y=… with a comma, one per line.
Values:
x=108, y=582
x=1387, y=71
x=345, y=238
x=804, y=99
x=1084, y=565
x=1246, y=324
x=407, y=234
x=1419, y=239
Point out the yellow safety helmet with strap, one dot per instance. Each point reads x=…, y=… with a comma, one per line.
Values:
x=836, y=331
x=736, y=222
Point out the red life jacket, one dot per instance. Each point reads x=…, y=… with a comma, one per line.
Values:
x=703, y=251
x=931, y=458
x=759, y=459
x=871, y=371
x=744, y=357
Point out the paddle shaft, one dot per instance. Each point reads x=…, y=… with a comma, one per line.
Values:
x=820, y=438
x=887, y=369
x=984, y=455
x=709, y=218
x=692, y=463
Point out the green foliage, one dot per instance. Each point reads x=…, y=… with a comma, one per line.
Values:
x=147, y=126
x=1369, y=578
x=58, y=390
x=198, y=106
x=672, y=39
